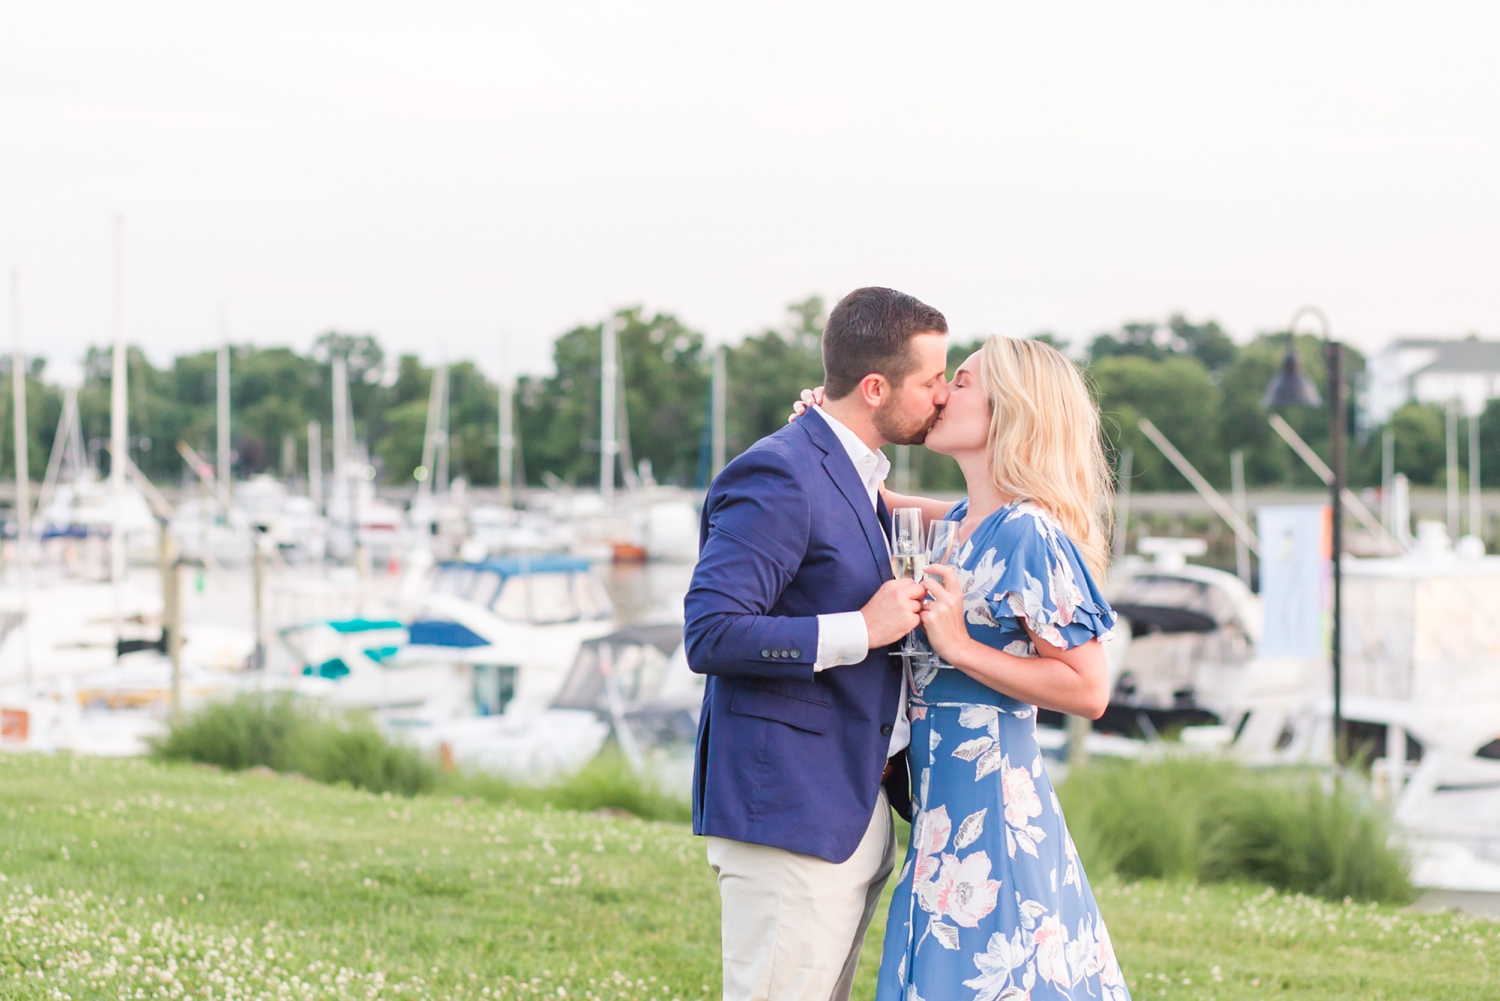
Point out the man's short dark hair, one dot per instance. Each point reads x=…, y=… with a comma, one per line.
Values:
x=870, y=330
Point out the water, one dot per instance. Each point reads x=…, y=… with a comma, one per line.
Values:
x=647, y=592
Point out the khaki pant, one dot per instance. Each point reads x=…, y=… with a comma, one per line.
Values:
x=793, y=924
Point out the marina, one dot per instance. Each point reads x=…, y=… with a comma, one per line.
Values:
x=521, y=632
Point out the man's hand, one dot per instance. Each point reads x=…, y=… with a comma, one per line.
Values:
x=893, y=611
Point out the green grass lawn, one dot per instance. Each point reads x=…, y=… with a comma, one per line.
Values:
x=135, y=880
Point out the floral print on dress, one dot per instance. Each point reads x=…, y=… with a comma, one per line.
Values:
x=992, y=903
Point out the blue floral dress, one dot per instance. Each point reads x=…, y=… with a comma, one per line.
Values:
x=992, y=903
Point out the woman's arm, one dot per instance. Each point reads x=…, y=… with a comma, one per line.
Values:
x=932, y=510
x=1074, y=681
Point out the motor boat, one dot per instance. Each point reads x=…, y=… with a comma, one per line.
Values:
x=632, y=685
x=1181, y=650
x=495, y=637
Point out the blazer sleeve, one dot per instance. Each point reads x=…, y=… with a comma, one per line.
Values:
x=756, y=524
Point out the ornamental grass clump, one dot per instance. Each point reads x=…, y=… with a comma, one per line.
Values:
x=1212, y=820
x=606, y=783
x=1307, y=834
x=288, y=736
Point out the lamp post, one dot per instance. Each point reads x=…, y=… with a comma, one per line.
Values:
x=1292, y=388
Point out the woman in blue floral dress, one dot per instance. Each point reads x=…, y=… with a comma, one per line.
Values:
x=992, y=903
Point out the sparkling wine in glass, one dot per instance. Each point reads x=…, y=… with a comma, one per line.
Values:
x=908, y=558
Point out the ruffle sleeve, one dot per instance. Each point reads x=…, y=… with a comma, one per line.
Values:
x=1024, y=571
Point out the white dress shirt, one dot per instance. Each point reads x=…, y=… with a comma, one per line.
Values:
x=842, y=636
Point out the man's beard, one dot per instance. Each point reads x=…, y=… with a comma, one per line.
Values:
x=911, y=431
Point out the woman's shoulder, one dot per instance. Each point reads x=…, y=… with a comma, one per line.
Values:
x=1032, y=571
x=1020, y=523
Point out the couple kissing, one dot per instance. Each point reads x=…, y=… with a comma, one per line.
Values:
x=838, y=692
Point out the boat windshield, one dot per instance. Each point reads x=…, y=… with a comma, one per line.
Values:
x=455, y=580
x=486, y=588
x=550, y=597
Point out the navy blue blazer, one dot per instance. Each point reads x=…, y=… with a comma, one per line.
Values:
x=788, y=757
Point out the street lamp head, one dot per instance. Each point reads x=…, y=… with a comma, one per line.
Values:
x=1291, y=387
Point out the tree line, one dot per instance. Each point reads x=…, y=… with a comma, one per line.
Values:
x=1200, y=388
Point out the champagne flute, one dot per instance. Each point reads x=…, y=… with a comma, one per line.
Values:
x=942, y=550
x=942, y=543
x=908, y=560
x=907, y=555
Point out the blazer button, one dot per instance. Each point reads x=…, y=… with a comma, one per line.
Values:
x=886, y=729
x=765, y=653
x=796, y=653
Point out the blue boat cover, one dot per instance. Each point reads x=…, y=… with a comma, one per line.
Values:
x=436, y=632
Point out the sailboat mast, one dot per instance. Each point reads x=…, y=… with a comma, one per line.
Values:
x=23, y=477
x=345, y=499
x=315, y=464
x=225, y=486
x=441, y=477
x=608, y=380
x=341, y=434
x=429, y=438
x=507, y=434
x=117, y=434
x=720, y=384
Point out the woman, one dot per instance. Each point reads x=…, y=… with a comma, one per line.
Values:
x=992, y=902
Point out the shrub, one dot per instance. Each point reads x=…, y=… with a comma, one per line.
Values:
x=352, y=750
x=243, y=733
x=1298, y=835
x=288, y=736
x=606, y=783
x=1212, y=820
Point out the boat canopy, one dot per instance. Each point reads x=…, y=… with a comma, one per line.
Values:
x=633, y=660
x=510, y=566
x=539, y=590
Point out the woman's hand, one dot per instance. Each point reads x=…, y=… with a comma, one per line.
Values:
x=943, y=616
x=810, y=398
x=1072, y=681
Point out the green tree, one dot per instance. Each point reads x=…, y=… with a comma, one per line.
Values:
x=1179, y=397
x=1489, y=445
x=400, y=447
x=473, y=424
x=1421, y=440
x=1134, y=340
x=1243, y=422
x=1206, y=342
x=767, y=371
x=43, y=405
x=665, y=372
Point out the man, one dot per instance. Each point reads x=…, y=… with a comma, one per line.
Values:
x=792, y=613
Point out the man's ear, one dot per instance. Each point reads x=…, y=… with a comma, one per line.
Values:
x=873, y=389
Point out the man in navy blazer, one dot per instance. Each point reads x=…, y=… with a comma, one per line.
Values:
x=792, y=614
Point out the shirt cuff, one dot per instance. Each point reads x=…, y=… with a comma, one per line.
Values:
x=842, y=639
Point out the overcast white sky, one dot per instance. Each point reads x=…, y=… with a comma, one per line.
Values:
x=440, y=173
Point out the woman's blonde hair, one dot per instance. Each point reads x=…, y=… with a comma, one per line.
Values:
x=1045, y=443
